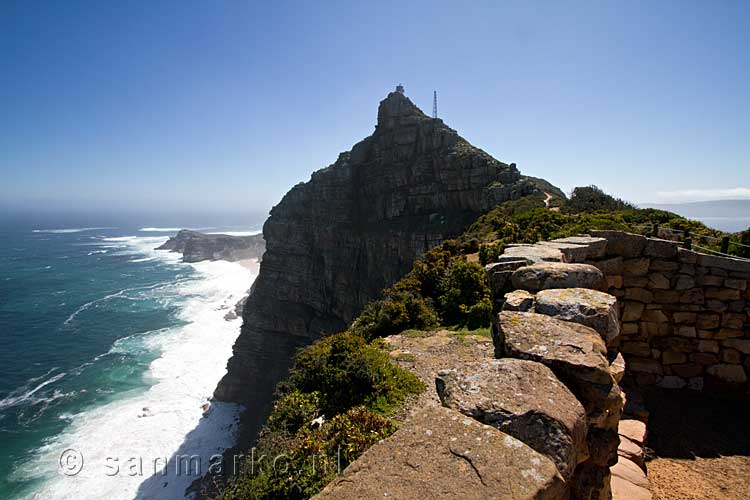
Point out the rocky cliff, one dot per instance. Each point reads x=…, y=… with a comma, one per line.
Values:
x=334, y=242
x=196, y=246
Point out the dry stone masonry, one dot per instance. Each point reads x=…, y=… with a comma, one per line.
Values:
x=682, y=316
x=542, y=403
x=537, y=412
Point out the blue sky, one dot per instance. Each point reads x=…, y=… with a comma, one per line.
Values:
x=223, y=106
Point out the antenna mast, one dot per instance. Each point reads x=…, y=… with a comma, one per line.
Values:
x=434, y=103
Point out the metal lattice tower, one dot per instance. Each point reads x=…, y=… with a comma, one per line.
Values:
x=434, y=104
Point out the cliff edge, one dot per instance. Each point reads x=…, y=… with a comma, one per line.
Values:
x=196, y=246
x=334, y=242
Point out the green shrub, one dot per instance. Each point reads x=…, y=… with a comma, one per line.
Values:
x=300, y=466
x=465, y=294
x=480, y=314
x=347, y=371
x=490, y=252
x=351, y=433
x=429, y=271
x=592, y=199
x=293, y=410
x=400, y=310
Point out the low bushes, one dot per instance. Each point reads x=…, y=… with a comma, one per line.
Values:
x=354, y=386
x=465, y=297
x=399, y=310
x=298, y=466
x=347, y=371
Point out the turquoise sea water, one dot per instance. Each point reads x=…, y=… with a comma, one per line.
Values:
x=106, y=344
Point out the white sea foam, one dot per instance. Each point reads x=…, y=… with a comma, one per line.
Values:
x=144, y=259
x=120, y=294
x=165, y=420
x=70, y=230
x=25, y=393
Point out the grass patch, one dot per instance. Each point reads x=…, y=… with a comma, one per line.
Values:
x=463, y=331
x=417, y=334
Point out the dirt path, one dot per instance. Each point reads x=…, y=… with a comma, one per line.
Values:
x=701, y=444
x=547, y=199
x=547, y=202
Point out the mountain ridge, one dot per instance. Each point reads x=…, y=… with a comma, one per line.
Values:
x=357, y=226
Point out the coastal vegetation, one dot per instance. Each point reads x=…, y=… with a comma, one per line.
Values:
x=354, y=387
x=348, y=379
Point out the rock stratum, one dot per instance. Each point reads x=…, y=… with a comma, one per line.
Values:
x=335, y=242
x=195, y=246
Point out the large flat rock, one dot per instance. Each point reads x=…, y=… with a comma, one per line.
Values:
x=630, y=472
x=576, y=354
x=623, y=244
x=440, y=453
x=518, y=300
x=544, y=275
x=533, y=253
x=582, y=305
x=597, y=247
x=571, y=349
x=572, y=252
x=427, y=353
x=523, y=399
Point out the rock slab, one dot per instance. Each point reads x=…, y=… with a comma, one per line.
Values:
x=581, y=305
x=440, y=453
x=544, y=275
x=523, y=399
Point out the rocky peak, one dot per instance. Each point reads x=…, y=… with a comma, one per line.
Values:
x=397, y=110
x=335, y=242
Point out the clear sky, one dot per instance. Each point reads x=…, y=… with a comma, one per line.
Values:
x=223, y=106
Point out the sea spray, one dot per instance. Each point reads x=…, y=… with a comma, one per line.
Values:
x=136, y=419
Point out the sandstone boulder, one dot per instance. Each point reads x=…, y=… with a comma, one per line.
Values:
x=428, y=353
x=624, y=244
x=617, y=368
x=523, y=399
x=632, y=451
x=570, y=251
x=518, y=300
x=440, y=453
x=533, y=253
x=635, y=430
x=591, y=482
x=597, y=247
x=574, y=350
x=581, y=305
x=630, y=472
x=546, y=275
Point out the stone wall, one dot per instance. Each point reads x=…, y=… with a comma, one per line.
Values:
x=685, y=315
x=685, y=319
x=533, y=413
x=537, y=413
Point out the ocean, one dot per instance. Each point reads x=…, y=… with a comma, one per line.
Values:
x=109, y=351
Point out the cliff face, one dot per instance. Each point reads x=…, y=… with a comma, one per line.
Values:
x=196, y=246
x=334, y=242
